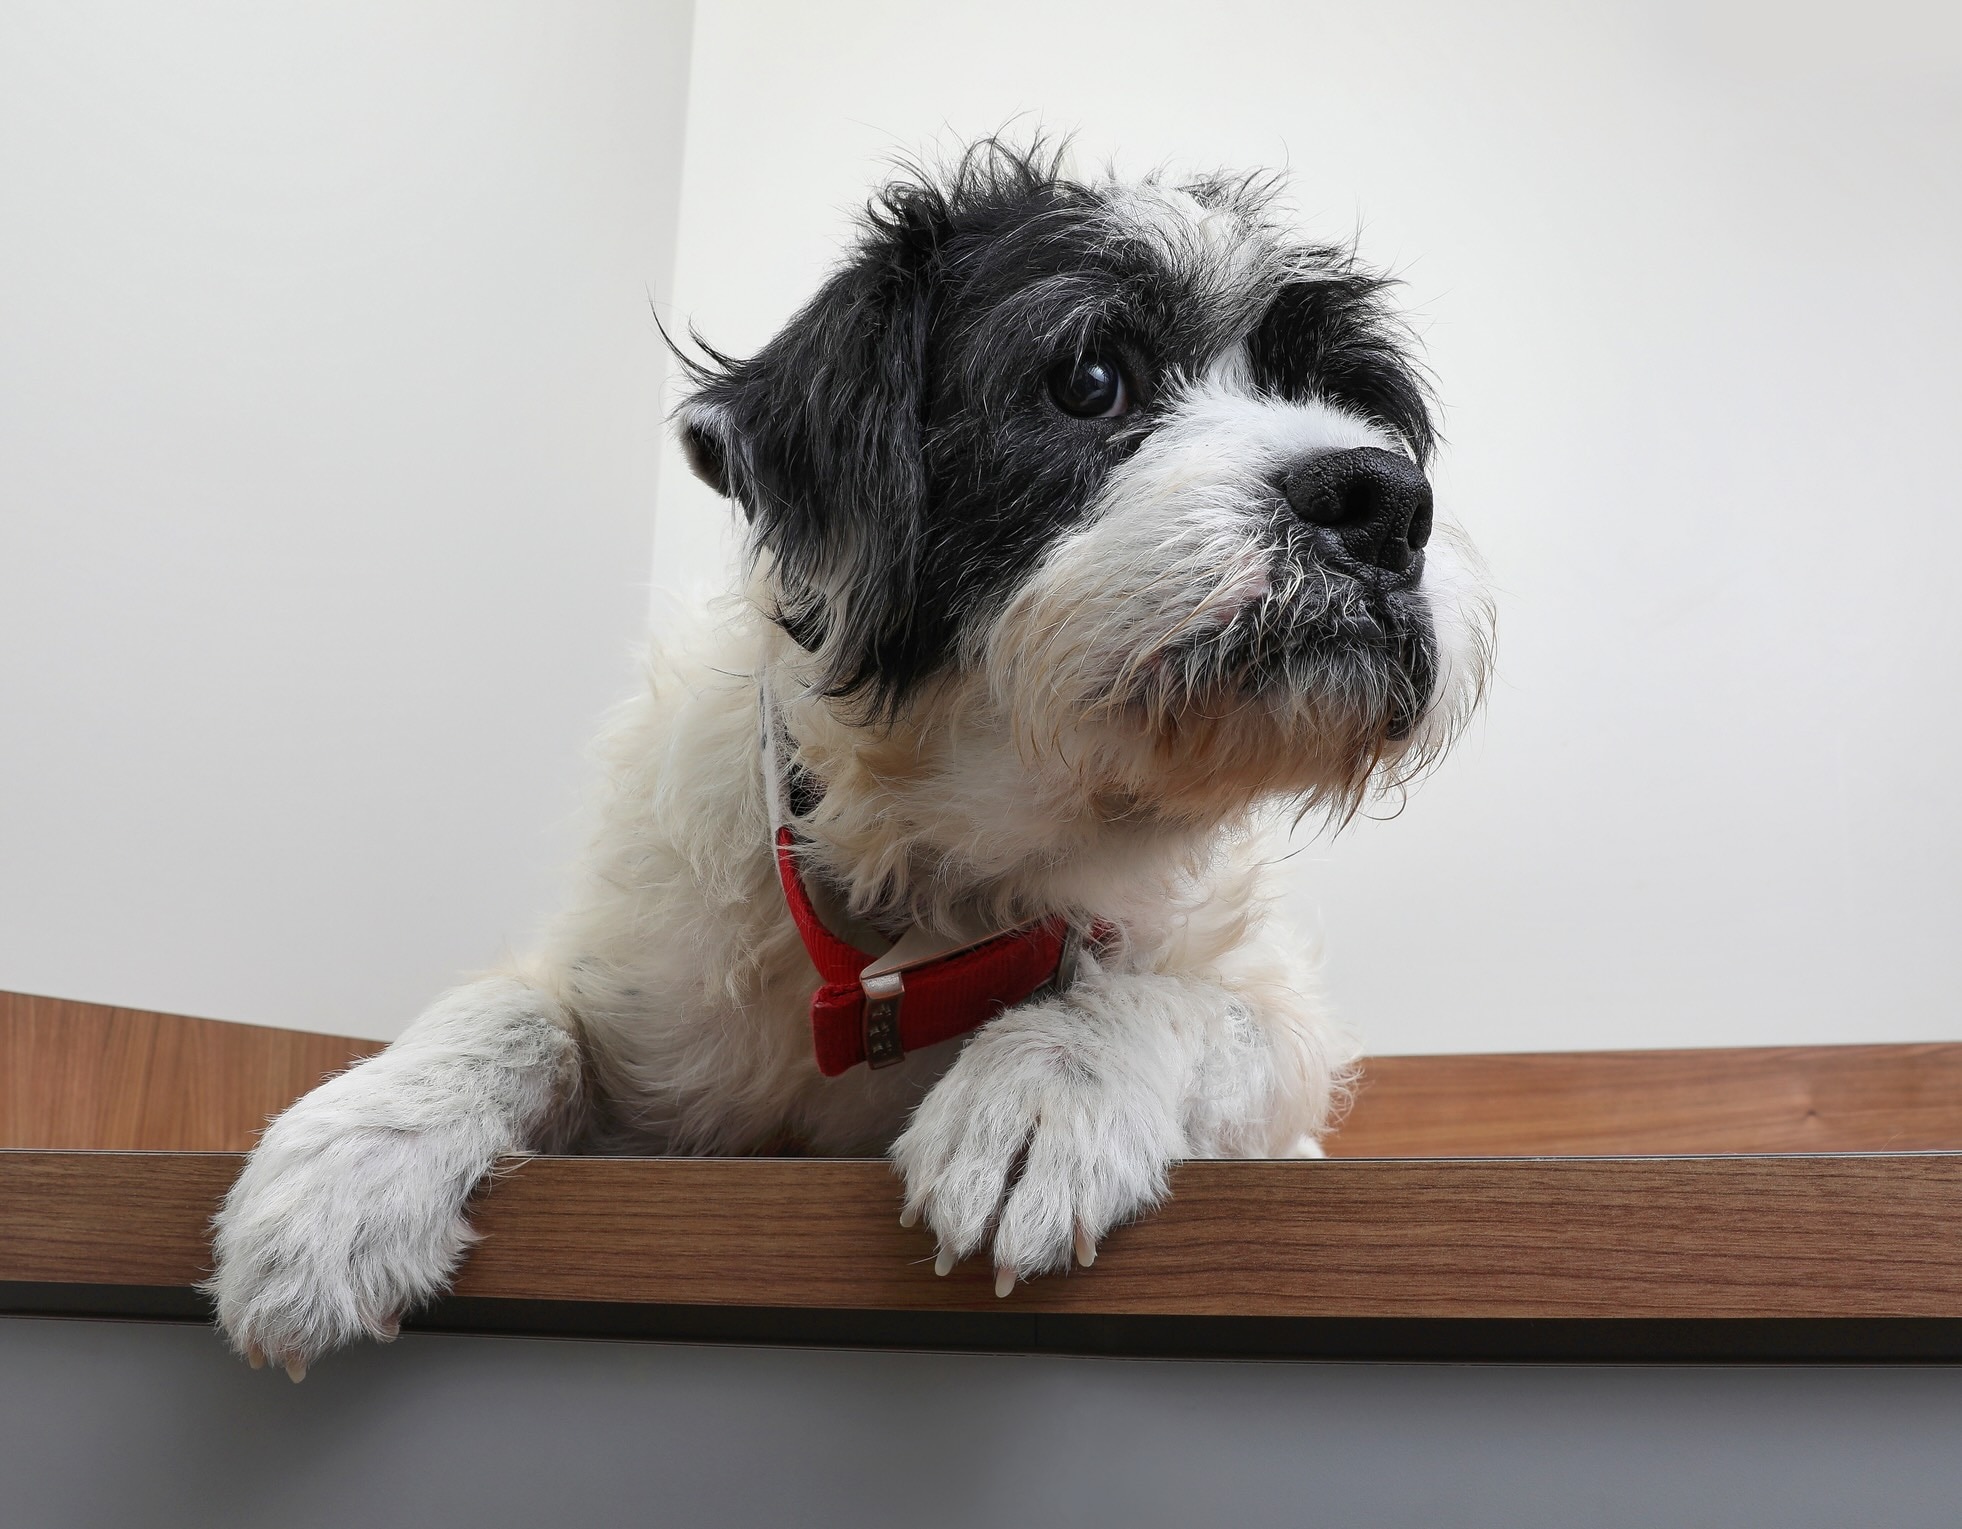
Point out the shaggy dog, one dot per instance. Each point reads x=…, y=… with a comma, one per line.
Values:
x=1091, y=547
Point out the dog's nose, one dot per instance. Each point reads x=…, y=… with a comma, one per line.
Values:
x=1376, y=502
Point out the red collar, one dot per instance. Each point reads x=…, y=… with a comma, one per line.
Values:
x=876, y=1009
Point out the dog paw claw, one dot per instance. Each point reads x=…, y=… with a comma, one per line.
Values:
x=1027, y=1152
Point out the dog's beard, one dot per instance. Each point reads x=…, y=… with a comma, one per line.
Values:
x=1315, y=636
x=1316, y=690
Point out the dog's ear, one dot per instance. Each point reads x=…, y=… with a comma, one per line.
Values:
x=818, y=437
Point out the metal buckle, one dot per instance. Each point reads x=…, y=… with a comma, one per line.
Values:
x=883, y=994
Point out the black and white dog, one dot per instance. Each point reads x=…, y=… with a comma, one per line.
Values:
x=1091, y=548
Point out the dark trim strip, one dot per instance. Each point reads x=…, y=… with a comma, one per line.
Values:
x=1514, y=1340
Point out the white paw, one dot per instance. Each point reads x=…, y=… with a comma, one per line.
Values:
x=331, y=1234
x=1090, y=1126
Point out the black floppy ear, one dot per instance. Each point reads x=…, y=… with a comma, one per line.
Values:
x=818, y=437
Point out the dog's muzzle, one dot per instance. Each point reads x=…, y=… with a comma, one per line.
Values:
x=1371, y=509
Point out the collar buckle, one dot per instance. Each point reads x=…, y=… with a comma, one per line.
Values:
x=884, y=993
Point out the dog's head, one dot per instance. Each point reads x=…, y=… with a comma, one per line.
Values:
x=1131, y=460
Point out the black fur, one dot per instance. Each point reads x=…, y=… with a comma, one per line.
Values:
x=895, y=447
x=1334, y=336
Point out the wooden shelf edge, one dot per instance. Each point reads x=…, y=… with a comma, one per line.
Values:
x=1805, y=1239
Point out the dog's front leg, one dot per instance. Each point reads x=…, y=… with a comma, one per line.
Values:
x=350, y=1210
x=1094, y=1095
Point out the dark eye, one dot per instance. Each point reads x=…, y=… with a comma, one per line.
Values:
x=1090, y=387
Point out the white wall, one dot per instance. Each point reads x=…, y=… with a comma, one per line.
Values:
x=329, y=422
x=1687, y=275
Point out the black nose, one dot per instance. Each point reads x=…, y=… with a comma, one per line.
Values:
x=1376, y=502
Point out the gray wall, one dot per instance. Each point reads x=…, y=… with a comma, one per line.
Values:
x=156, y=1426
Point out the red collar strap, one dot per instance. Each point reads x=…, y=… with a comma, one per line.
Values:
x=876, y=1009
x=924, y=990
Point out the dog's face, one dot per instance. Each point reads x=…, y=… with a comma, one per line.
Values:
x=1130, y=458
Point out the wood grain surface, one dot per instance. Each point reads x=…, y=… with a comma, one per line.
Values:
x=85, y=1075
x=1904, y=1098
x=1775, y=1236
x=80, y=1075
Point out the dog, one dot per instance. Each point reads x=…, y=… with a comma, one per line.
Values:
x=1091, y=549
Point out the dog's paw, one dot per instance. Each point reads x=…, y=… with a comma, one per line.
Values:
x=329, y=1236
x=1091, y=1131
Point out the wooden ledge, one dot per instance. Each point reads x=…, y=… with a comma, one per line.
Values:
x=1432, y=1220
x=1791, y=1238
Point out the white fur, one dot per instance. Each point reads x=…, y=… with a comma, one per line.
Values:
x=351, y=1209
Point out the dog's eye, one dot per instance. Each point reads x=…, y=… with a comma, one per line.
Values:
x=1090, y=387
